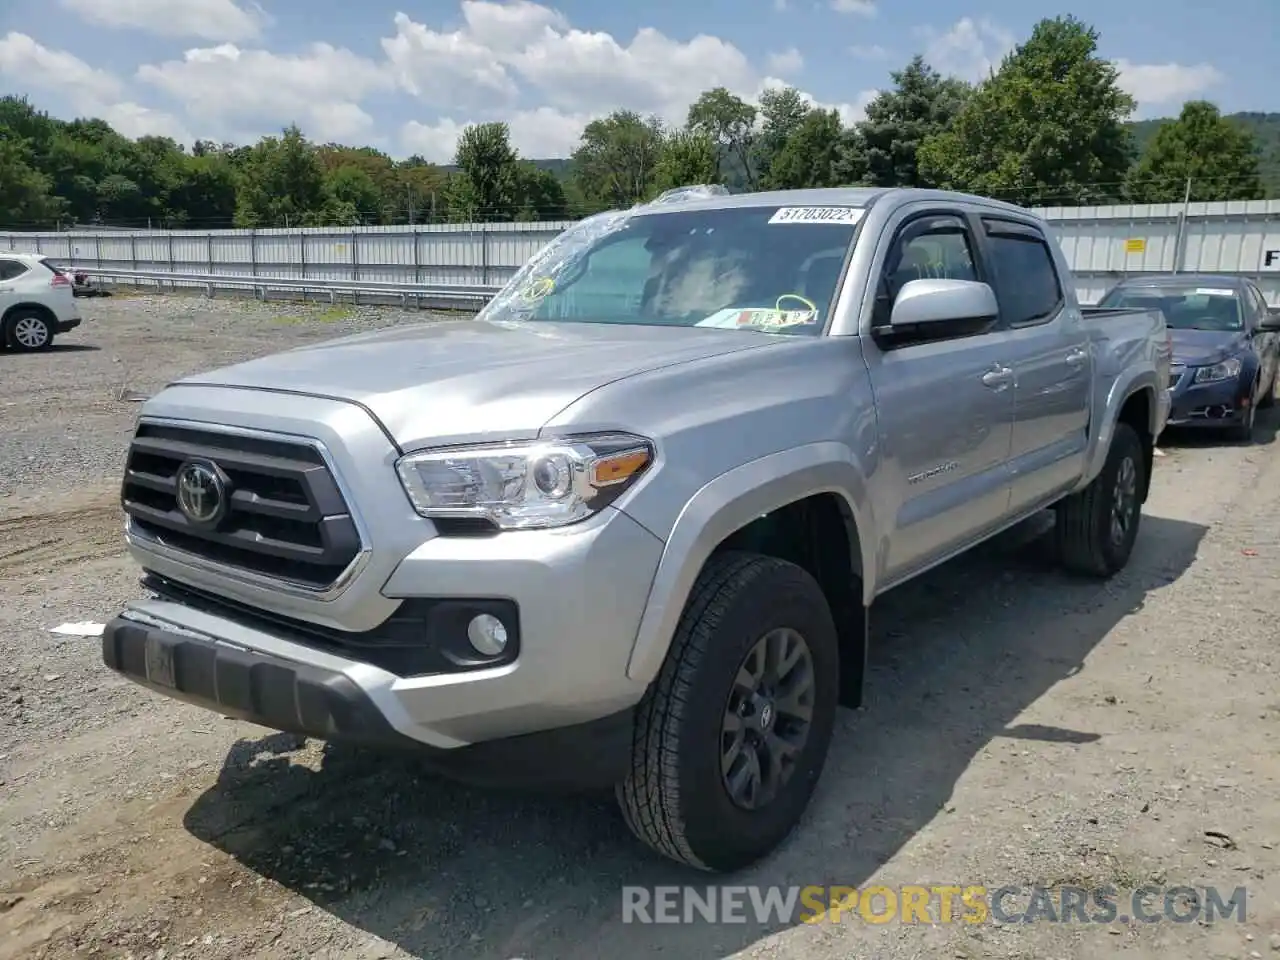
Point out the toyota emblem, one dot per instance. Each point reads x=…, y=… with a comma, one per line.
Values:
x=202, y=493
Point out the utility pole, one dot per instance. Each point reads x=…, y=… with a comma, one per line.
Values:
x=1180, y=241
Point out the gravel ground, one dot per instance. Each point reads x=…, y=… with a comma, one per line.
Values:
x=1022, y=728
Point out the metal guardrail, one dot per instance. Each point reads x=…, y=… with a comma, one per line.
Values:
x=420, y=295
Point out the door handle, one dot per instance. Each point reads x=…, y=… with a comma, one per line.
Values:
x=997, y=378
x=1077, y=357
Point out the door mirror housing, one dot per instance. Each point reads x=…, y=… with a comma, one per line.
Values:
x=937, y=309
x=1270, y=322
x=943, y=301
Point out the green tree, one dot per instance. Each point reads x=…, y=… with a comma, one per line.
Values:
x=1047, y=128
x=485, y=187
x=729, y=121
x=686, y=159
x=282, y=183
x=820, y=152
x=25, y=201
x=782, y=110
x=1216, y=158
x=617, y=160
x=540, y=194
x=922, y=103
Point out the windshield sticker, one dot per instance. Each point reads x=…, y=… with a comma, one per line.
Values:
x=764, y=318
x=845, y=215
x=1214, y=292
x=538, y=289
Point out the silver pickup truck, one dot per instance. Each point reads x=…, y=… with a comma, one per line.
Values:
x=626, y=526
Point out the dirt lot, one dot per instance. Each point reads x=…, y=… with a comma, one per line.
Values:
x=1023, y=728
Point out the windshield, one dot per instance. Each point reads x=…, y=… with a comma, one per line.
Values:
x=1186, y=307
x=763, y=268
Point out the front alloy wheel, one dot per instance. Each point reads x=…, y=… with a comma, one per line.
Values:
x=767, y=719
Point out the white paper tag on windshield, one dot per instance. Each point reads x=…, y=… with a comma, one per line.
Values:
x=845, y=215
x=1214, y=292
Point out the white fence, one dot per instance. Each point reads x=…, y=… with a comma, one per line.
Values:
x=1102, y=244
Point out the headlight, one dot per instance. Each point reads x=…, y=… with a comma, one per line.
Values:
x=1225, y=370
x=522, y=486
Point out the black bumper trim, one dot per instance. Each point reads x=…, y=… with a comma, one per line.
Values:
x=314, y=702
x=63, y=326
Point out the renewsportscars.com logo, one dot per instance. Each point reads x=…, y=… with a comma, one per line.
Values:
x=934, y=904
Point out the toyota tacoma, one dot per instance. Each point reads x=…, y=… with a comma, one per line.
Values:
x=625, y=528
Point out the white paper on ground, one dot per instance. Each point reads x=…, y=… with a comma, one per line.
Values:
x=85, y=628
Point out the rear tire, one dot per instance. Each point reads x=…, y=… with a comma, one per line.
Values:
x=28, y=330
x=701, y=736
x=1097, y=527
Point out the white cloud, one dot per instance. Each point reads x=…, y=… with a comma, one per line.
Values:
x=88, y=90
x=205, y=19
x=228, y=87
x=786, y=61
x=505, y=55
x=1165, y=83
x=863, y=8
x=870, y=52
x=970, y=49
x=27, y=62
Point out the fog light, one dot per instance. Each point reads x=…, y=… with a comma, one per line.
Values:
x=487, y=635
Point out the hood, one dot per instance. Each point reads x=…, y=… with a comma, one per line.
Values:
x=469, y=380
x=1202, y=347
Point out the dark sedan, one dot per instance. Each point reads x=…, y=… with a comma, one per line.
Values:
x=1226, y=346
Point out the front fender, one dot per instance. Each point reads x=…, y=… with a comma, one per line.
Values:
x=730, y=502
x=1125, y=386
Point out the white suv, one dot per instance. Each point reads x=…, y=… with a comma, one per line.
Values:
x=37, y=301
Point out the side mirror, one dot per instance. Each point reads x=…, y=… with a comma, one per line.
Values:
x=941, y=302
x=1270, y=322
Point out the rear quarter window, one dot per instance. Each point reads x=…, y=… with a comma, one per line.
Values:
x=11, y=269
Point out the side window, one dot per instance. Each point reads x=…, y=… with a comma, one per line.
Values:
x=936, y=248
x=11, y=269
x=1027, y=284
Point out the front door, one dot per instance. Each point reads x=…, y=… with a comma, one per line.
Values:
x=945, y=409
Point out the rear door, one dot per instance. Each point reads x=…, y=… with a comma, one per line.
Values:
x=1052, y=362
x=944, y=406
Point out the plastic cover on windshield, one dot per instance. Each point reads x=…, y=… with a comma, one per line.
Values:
x=519, y=299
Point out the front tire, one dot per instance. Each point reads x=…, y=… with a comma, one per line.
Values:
x=732, y=736
x=1242, y=432
x=28, y=330
x=1097, y=527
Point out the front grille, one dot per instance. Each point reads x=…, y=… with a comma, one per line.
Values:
x=285, y=516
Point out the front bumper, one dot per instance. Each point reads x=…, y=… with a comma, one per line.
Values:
x=1210, y=405
x=579, y=594
x=66, y=324
x=322, y=699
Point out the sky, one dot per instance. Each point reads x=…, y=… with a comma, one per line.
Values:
x=406, y=76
